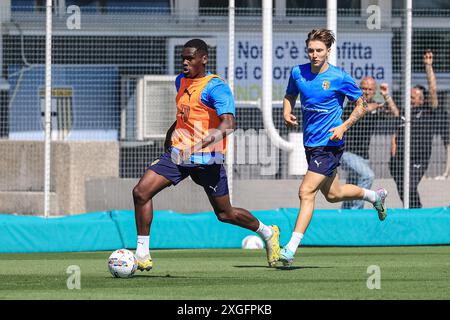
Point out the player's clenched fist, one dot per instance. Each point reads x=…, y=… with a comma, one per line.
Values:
x=428, y=57
x=290, y=120
x=338, y=133
x=384, y=89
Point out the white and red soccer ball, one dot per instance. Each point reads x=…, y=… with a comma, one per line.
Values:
x=252, y=242
x=122, y=263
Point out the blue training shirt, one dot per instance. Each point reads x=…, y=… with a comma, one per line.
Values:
x=322, y=96
x=218, y=96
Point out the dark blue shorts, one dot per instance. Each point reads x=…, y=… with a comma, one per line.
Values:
x=323, y=160
x=212, y=177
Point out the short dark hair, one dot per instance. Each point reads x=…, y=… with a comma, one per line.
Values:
x=421, y=88
x=424, y=92
x=198, y=44
x=324, y=35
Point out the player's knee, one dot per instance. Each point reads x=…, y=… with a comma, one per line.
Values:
x=305, y=194
x=139, y=195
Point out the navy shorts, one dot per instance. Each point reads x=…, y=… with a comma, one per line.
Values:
x=212, y=177
x=323, y=160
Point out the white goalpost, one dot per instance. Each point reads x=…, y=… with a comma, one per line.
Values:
x=48, y=107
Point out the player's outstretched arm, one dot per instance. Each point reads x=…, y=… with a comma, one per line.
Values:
x=431, y=77
x=384, y=89
x=359, y=112
x=226, y=127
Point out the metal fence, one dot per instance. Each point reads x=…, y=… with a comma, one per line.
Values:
x=113, y=71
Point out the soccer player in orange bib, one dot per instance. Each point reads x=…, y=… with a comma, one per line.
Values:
x=195, y=146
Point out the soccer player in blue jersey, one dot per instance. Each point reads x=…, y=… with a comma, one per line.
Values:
x=322, y=88
x=195, y=146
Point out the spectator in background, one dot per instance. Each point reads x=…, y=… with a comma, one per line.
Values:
x=443, y=129
x=355, y=160
x=423, y=109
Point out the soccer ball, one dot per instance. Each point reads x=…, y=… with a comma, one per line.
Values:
x=252, y=242
x=122, y=263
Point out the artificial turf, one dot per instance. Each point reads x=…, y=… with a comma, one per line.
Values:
x=317, y=273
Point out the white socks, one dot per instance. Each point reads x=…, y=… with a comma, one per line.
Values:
x=370, y=195
x=143, y=244
x=264, y=231
x=294, y=242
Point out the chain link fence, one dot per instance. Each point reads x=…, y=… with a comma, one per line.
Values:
x=113, y=84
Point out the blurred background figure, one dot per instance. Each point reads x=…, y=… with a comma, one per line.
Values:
x=355, y=160
x=442, y=129
x=423, y=109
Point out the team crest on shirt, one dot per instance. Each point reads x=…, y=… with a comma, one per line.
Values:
x=325, y=84
x=184, y=112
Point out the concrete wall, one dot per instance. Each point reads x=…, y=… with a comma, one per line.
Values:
x=26, y=203
x=85, y=179
x=22, y=174
x=109, y=194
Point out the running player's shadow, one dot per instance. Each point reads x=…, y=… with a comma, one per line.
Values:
x=281, y=267
x=155, y=276
x=297, y=268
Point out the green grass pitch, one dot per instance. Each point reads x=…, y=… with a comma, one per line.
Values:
x=317, y=273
